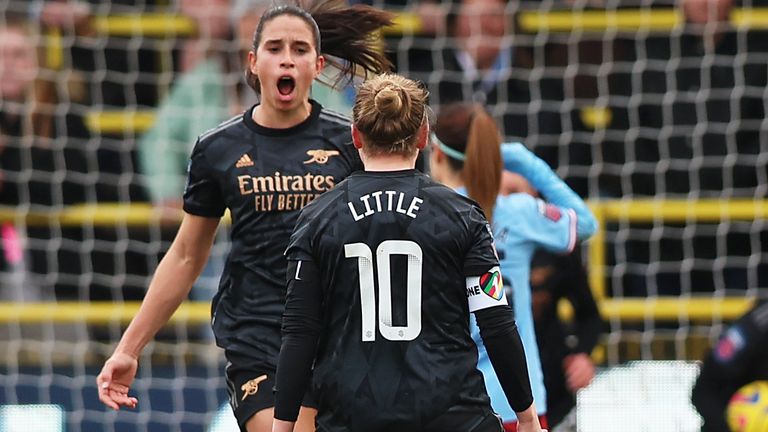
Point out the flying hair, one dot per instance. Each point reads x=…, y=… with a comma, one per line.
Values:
x=345, y=35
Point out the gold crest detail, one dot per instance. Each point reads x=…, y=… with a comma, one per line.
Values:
x=320, y=156
x=252, y=386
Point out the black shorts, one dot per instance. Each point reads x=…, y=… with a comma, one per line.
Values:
x=456, y=419
x=250, y=389
x=463, y=419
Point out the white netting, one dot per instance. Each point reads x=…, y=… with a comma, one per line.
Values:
x=626, y=101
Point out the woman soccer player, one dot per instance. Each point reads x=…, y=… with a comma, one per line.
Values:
x=383, y=272
x=263, y=166
x=467, y=156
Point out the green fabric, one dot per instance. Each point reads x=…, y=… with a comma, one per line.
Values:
x=196, y=103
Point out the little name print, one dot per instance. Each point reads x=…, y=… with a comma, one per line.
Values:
x=384, y=201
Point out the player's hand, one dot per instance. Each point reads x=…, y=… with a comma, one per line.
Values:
x=530, y=427
x=528, y=420
x=515, y=183
x=115, y=380
x=579, y=371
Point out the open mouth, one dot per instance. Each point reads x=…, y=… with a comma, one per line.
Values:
x=285, y=85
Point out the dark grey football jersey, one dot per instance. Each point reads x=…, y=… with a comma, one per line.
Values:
x=394, y=250
x=264, y=177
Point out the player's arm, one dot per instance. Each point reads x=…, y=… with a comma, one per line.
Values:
x=505, y=350
x=520, y=160
x=301, y=331
x=170, y=285
x=495, y=319
x=727, y=365
x=578, y=366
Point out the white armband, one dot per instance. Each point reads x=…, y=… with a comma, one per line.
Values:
x=486, y=290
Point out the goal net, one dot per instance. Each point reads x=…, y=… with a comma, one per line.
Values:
x=658, y=118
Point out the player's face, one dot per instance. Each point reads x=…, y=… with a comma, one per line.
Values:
x=286, y=62
x=18, y=63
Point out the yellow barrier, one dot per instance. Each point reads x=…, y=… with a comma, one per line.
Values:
x=532, y=21
x=145, y=24
x=600, y=20
x=667, y=309
x=103, y=313
x=626, y=309
x=94, y=312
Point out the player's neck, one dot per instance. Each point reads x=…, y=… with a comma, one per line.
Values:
x=452, y=180
x=388, y=163
x=270, y=117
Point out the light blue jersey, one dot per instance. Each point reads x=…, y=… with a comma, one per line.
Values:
x=522, y=224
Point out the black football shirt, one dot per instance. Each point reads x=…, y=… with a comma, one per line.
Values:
x=394, y=252
x=264, y=177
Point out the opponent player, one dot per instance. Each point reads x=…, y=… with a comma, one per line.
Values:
x=383, y=271
x=739, y=358
x=467, y=156
x=263, y=166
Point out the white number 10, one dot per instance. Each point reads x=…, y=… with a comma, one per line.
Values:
x=386, y=249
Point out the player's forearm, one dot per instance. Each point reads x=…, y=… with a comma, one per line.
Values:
x=169, y=287
x=505, y=350
x=524, y=162
x=171, y=282
x=301, y=331
x=294, y=369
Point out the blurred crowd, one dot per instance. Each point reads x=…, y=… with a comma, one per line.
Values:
x=676, y=113
x=669, y=113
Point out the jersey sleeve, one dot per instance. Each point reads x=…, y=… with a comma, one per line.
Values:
x=202, y=194
x=300, y=244
x=549, y=226
x=485, y=287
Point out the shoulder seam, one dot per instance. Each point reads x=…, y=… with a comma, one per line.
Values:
x=337, y=117
x=220, y=127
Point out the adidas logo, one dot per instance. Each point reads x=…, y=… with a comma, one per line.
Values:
x=244, y=161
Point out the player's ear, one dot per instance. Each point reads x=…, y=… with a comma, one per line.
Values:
x=356, y=137
x=421, y=144
x=252, y=62
x=437, y=153
x=319, y=65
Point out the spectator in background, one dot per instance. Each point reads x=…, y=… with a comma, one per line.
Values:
x=692, y=122
x=564, y=348
x=739, y=358
x=479, y=63
x=688, y=122
x=44, y=159
x=202, y=96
